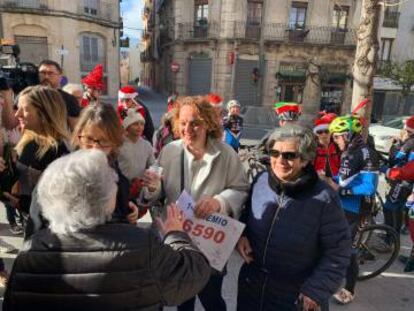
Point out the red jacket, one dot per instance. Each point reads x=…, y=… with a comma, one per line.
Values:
x=331, y=154
x=405, y=172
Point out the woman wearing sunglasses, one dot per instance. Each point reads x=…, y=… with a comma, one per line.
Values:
x=328, y=156
x=296, y=245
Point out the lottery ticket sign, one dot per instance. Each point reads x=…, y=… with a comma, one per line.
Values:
x=216, y=236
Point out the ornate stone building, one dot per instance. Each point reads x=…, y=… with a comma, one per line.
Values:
x=78, y=34
x=258, y=51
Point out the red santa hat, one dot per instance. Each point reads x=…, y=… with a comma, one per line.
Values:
x=127, y=92
x=323, y=122
x=95, y=78
x=132, y=117
x=409, y=124
x=215, y=100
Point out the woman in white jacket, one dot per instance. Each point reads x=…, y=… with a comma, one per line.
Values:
x=208, y=169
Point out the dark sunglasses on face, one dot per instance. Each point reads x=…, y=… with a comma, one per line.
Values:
x=322, y=132
x=288, y=155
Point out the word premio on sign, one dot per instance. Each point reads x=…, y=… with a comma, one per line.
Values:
x=216, y=236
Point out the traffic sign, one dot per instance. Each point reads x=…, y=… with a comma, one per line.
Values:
x=62, y=51
x=175, y=67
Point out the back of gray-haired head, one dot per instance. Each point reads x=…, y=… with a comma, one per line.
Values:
x=303, y=135
x=75, y=191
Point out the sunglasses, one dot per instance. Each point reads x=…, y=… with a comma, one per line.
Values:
x=288, y=155
x=322, y=132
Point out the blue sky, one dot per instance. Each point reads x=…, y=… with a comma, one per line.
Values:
x=131, y=13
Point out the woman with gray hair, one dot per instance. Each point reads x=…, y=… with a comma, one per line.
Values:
x=296, y=245
x=81, y=262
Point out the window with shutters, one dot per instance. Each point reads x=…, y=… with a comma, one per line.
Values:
x=92, y=52
x=340, y=17
x=32, y=49
x=297, y=17
x=201, y=12
x=90, y=7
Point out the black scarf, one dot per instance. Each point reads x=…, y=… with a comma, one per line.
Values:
x=304, y=182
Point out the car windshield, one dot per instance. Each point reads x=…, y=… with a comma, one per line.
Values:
x=395, y=123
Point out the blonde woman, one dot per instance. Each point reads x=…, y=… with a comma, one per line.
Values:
x=42, y=117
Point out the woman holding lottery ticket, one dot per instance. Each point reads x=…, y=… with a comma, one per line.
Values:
x=207, y=169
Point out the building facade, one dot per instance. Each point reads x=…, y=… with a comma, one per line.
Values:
x=77, y=34
x=148, y=44
x=396, y=38
x=257, y=51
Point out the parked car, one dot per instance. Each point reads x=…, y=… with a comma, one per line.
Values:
x=383, y=133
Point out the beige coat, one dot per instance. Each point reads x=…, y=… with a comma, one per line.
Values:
x=218, y=174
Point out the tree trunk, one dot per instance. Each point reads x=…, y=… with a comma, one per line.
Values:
x=366, y=56
x=312, y=91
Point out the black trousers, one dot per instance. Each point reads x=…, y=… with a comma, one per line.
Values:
x=210, y=296
x=353, y=268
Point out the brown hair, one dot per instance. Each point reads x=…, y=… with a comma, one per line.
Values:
x=205, y=111
x=52, y=112
x=103, y=116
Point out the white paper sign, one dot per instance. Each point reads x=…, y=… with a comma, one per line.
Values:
x=215, y=236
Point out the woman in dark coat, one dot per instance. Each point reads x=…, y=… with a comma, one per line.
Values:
x=297, y=244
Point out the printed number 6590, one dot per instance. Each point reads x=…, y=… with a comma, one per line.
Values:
x=206, y=232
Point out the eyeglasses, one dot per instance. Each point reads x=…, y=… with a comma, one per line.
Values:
x=288, y=155
x=320, y=132
x=89, y=141
x=48, y=73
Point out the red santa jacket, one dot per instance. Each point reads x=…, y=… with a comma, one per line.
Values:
x=330, y=154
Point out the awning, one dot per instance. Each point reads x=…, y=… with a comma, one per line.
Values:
x=291, y=75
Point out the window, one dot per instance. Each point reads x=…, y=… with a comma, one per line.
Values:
x=340, y=17
x=91, y=7
x=391, y=15
x=201, y=12
x=92, y=52
x=297, y=16
x=386, y=46
x=32, y=49
x=254, y=12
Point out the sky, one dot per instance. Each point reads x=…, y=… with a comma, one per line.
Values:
x=131, y=12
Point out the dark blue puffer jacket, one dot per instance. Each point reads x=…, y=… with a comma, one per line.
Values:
x=306, y=246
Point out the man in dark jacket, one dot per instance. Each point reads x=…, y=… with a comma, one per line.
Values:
x=82, y=263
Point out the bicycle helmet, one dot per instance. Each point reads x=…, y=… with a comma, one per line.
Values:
x=287, y=111
x=348, y=123
x=233, y=103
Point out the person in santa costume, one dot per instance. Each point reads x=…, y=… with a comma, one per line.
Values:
x=94, y=86
x=127, y=99
x=135, y=155
x=328, y=157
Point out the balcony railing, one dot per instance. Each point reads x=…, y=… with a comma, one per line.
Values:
x=391, y=19
x=190, y=31
x=310, y=35
x=246, y=30
x=25, y=4
x=146, y=57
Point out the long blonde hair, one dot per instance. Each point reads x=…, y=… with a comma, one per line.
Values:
x=51, y=110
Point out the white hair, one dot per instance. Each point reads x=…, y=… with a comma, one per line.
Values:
x=72, y=87
x=75, y=191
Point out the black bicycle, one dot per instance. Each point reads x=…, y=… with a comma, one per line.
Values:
x=253, y=160
x=377, y=245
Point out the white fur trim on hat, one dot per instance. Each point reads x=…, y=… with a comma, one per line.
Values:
x=122, y=95
x=320, y=127
x=132, y=117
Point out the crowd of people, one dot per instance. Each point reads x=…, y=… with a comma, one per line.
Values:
x=77, y=174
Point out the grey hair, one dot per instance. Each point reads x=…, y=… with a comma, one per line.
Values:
x=72, y=87
x=75, y=191
x=303, y=135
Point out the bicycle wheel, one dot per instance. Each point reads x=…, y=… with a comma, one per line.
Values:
x=377, y=247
